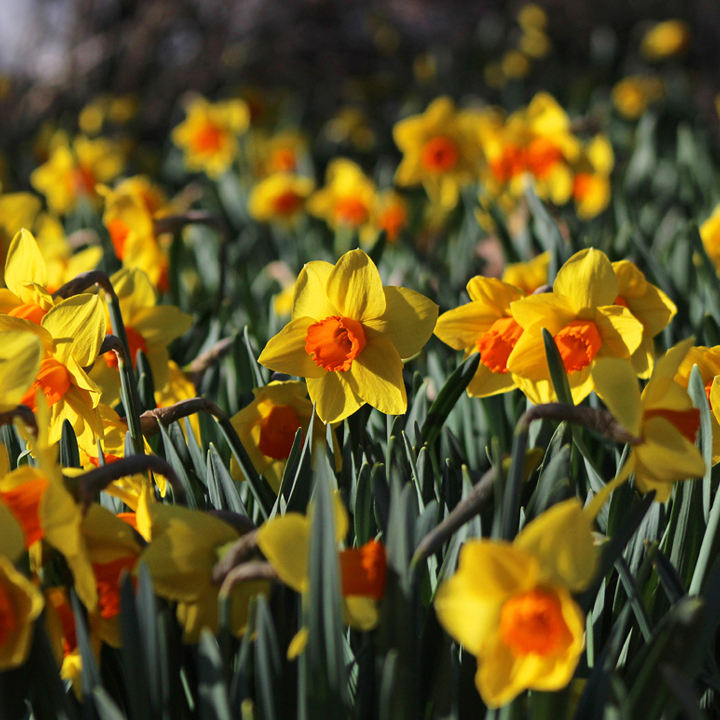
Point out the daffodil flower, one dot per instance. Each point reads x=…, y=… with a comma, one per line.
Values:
x=348, y=336
x=665, y=39
x=662, y=417
x=511, y=605
x=441, y=151
x=528, y=276
x=485, y=325
x=280, y=198
x=586, y=324
x=20, y=356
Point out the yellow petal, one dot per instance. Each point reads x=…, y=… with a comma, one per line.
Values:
x=620, y=330
x=360, y=612
x=20, y=356
x=286, y=351
x=310, y=295
x=587, y=279
x=407, y=322
x=561, y=539
x=298, y=643
x=354, y=287
x=376, y=377
x=285, y=542
x=162, y=324
x=78, y=328
x=334, y=396
x=617, y=386
x=549, y=310
x=485, y=382
x=12, y=541
x=24, y=263
x=664, y=373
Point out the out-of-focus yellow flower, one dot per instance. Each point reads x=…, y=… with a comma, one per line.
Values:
x=710, y=234
x=581, y=315
x=129, y=213
x=73, y=171
x=511, y=605
x=119, y=110
x=484, y=325
x=650, y=305
x=17, y=211
x=71, y=333
x=665, y=40
x=348, y=336
x=348, y=198
x=280, y=197
x=591, y=181
x=390, y=214
x=285, y=542
x=534, y=43
x=267, y=428
x=708, y=362
x=61, y=263
x=532, y=17
x=350, y=126
x=208, y=135
x=515, y=65
x=632, y=95
x=185, y=546
x=177, y=388
x=279, y=153
x=20, y=355
x=149, y=327
x=440, y=151
x=528, y=276
x=663, y=417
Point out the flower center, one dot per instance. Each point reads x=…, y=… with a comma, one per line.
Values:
x=578, y=343
x=708, y=388
x=119, y=231
x=8, y=615
x=135, y=342
x=392, y=220
x=287, y=203
x=283, y=160
x=363, y=570
x=277, y=432
x=351, y=210
x=497, y=343
x=107, y=579
x=333, y=343
x=208, y=139
x=511, y=162
x=53, y=379
x=23, y=502
x=582, y=184
x=542, y=156
x=620, y=300
x=533, y=623
x=29, y=311
x=685, y=421
x=440, y=154
x=85, y=180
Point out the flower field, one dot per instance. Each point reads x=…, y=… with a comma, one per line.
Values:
x=410, y=411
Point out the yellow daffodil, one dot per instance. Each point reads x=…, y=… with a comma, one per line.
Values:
x=484, y=325
x=185, y=545
x=591, y=180
x=71, y=333
x=650, y=305
x=390, y=214
x=532, y=16
x=208, y=135
x=17, y=211
x=708, y=362
x=511, y=605
x=149, y=327
x=177, y=388
x=73, y=171
x=129, y=212
x=280, y=197
x=348, y=336
x=663, y=417
x=710, y=234
x=285, y=542
x=279, y=153
x=20, y=356
x=267, y=427
x=528, y=276
x=632, y=95
x=581, y=315
x=665, y=39
x=61, y=263
x=440, y=151
x=347, y=199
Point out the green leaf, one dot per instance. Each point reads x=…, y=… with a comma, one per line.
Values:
x=225, y=486
x=364, y=519
x=69, y=452
x=173, y=457
x=213, y=691
x=267, y=662
x=146, y=384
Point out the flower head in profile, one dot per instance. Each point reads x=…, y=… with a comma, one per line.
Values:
x=440, y=150
x=662, y=417
x=208, y=135
x=591, y=179
x=267, y=427
x=347, y=199
x=633, y=95
x=348, y=336
x=390, y=214
x=511, y=605
x=280, y=197
x=581, y=316
x=485, y=325
x=665, y=39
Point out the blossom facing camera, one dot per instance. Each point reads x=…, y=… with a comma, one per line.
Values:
x=511, y=605
x=349, y=335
